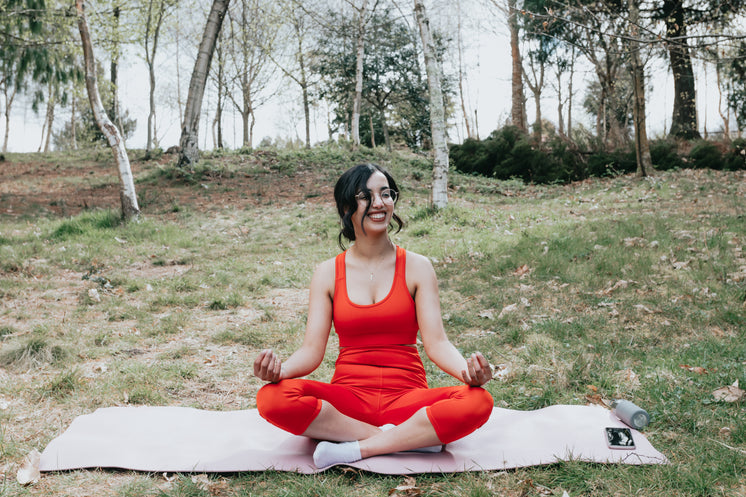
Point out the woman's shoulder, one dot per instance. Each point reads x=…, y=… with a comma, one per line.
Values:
x=418, y=262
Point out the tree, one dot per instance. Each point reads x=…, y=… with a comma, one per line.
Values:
x=684, y=120
x=33, y=50
x=127, y=196
x=394, y=90
x=189, y=155
x=517, y=97
x=439, y=196
x=154, y=12
x=252, y=38
x=642, y=148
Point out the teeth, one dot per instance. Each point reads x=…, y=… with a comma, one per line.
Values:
x=377, y=217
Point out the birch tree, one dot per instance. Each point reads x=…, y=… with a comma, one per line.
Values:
x=439, y=195
x=127, y=196
x=189, y=142
x=155, y=13
x=252, y=38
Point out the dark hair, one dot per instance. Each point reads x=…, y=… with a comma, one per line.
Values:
x=352, y=182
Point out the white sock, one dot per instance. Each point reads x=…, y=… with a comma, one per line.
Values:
x=328, y=453
x=432, y=448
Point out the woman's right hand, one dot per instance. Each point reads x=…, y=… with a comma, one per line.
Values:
x=268, y=366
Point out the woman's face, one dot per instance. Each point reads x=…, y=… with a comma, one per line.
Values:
x=381, y=200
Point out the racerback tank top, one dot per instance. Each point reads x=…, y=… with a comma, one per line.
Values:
x=392, y=321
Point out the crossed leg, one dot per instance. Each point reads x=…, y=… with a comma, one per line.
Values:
x=363, y=440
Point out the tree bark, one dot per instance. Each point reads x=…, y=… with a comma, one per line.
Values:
x=518, y=100
x=190, y=127
x=439, y=196
x=8, y=105
x=642, y=146
x=684, y=118
x=114, y=68
x=459, y=43
x=359, y=55
x=127, y=195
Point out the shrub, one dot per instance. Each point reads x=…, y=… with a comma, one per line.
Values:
x=612, y=163
x=664, y=155
x=735, y=158
x=706, y=155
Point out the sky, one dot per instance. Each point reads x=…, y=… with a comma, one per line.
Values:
x=488, y=74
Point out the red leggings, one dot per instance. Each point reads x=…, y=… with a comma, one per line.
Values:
x=377, y=386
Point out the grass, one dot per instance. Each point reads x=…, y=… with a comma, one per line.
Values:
x=616, y=288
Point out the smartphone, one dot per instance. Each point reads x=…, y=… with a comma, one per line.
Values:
x=619, y=438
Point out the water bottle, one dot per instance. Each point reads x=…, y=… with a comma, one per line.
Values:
x=632, y=415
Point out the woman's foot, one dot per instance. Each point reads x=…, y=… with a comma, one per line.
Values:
x=329, y=453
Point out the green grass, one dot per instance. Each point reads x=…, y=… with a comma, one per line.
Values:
x=597, y=283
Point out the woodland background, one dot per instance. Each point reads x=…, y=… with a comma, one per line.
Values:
x=592, y=62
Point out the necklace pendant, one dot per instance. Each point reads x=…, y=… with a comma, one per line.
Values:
x=371, y=276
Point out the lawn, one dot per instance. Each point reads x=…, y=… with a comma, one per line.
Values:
x=582, y=293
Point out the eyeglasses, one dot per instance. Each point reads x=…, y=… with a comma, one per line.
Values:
x=388, y=196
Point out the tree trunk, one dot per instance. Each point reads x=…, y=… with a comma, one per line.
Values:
x=684, y=118
x=73, y=123
x=359, y=54
x=384, y=125
x=560, y=106
x=518, y=101
x=724, y=117
x=536, y=88
x=8, y=105
x=439, y=197
x=190, y=127
x=50, y=117
x=642, y=147
x=570, y=95
x=114, y=68
x=127, y=196
x=464, y=111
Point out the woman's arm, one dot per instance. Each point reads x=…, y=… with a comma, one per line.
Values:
x=269, y=367
x=421, y=277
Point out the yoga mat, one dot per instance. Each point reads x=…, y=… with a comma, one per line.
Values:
x=180, y=439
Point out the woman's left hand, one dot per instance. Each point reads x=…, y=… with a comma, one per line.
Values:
x=478, y=370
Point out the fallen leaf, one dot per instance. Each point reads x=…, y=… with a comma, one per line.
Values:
x=408, y=488
x=621, y=284
x=522, y=271
x=694, y=369
x=29, y=470
x=731, y=393
x=507, y=310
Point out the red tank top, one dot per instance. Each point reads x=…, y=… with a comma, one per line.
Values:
x=392, y=321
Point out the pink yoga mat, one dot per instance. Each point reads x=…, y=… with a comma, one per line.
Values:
x=180, y=439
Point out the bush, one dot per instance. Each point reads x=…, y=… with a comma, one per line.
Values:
x=706, y=155
x=612, y=163
x=735, y=158
x=664, y=155
x=510, y=153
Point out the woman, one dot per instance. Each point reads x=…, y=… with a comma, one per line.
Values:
x=378, y=296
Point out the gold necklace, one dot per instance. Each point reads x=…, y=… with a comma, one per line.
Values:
x=380, y=260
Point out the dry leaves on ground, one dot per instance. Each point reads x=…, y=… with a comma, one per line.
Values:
x=407, y=489
x=731, y=393
x=29, y=470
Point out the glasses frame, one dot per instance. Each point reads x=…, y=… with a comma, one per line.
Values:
x=393, y=195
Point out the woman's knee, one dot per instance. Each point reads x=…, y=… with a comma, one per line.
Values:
x=480, y=404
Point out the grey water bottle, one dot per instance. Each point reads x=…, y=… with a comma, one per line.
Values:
x=632, y=415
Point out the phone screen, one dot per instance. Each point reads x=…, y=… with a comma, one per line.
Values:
x=619, y=438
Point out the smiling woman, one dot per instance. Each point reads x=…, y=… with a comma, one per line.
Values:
x=378, y=296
